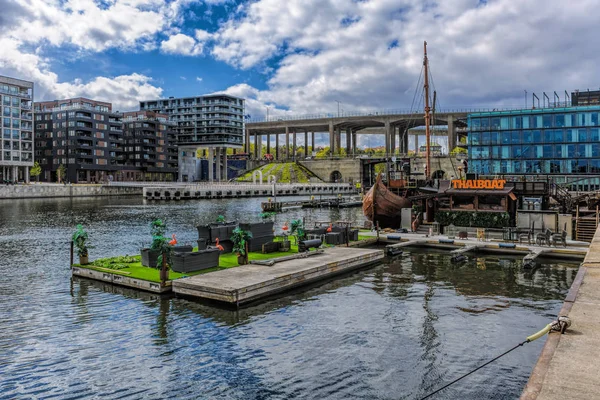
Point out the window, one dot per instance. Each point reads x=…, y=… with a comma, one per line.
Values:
x=515, y=137
x=527, y=137
x=547, y=120
x=559, y=120
x=485, y=138
x=582, y=135
x=517, y=122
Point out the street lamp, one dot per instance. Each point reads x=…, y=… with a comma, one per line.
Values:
x=267, y=107
x=338, y=103
x=525, y=98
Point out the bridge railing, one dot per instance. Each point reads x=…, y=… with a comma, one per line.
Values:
x=378, y=113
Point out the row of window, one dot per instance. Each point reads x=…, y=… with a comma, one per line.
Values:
x=15, y=134
x=500, y=167
x=535, y=136
x=6, y=123
x=535, y=151
x=16, y=155
x=553, y=120
x=12, y=112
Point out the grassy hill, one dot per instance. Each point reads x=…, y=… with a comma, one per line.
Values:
x=284, y=172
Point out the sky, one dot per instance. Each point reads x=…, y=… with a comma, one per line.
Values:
x=302, y=56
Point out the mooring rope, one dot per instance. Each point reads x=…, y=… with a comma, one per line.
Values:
x=560, y=325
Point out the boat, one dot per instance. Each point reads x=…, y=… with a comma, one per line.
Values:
x=383, y=207
x=380, y=205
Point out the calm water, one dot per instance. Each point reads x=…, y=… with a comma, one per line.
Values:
x=394, y=331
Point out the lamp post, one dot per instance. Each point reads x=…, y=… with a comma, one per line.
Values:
x=267, y=107
x=525, y=98
x=338, y=104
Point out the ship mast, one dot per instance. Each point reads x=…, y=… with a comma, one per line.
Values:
x=427, y=114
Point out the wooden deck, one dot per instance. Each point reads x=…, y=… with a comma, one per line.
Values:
x=251, y=282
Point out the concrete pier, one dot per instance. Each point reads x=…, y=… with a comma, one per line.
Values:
x=251, y=282
x=569, y=366
x=231, y=190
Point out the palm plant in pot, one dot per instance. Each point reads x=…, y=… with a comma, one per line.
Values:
x=159, y=244
x=80, y=240
x=240, y=238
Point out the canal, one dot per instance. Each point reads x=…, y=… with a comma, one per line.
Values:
x=394, y=331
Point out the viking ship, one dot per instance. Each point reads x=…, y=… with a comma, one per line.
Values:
x=383, y=207
x=380, y=205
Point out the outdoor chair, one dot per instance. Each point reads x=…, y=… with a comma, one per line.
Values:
x=543, y=238
x=558, y=238
x=527, y=235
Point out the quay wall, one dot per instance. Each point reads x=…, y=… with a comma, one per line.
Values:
x=55, y=190
x=569, y=365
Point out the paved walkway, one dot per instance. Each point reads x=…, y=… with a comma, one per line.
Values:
x=569, y=366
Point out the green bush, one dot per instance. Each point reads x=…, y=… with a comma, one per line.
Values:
x=473, y=219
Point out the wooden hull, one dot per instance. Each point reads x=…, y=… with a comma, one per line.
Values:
x=384, y=207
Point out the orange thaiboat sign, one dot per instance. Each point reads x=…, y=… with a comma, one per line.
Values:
x=478, y=184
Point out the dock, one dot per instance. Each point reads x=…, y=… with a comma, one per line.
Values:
x=110, y=277
x=251, y=282
x=335, y=202
x=569, y=365
x=230, y=190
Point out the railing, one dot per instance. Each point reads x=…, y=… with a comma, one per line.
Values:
x=206, y=184
x=386, y=112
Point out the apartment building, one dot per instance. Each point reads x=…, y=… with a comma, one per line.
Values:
x=215, y=122
x=84, y=136
x=150, y=147
x=16, y=129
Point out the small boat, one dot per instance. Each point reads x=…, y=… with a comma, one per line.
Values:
x=384, y=207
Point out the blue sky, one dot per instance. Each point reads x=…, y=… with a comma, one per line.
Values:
x=301, y=56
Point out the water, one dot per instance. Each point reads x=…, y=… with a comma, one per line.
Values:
x=394, y=331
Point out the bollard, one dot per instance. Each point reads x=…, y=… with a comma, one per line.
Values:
x=72, y=248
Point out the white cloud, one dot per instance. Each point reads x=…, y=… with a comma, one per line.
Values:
x=368, y=55
x=124, y=91
x=181, y=44
x=83, y=23
x=199, y=79
x=202, y=35
x=183, y=78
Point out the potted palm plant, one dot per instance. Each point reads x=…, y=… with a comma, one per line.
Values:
x=80, y=239
x=240, y=239
x=159, y=244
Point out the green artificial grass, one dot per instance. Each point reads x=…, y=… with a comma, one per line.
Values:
x=132, y=267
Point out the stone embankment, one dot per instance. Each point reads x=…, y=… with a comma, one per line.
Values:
x=569, y=366
x=41, y=190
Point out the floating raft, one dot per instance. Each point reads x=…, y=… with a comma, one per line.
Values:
x=251, y=282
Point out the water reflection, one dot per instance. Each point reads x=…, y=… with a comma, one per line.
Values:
x=397, y=330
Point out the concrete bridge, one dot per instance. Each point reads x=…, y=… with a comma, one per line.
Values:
x=395, y=126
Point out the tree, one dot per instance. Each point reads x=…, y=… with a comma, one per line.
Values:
x=61, y=171
x=36, y=171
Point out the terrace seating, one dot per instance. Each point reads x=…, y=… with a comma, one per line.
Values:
x=527, y=235
x=543, y=238
x=557, y=238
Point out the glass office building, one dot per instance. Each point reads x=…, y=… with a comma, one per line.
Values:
x=561, y=144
